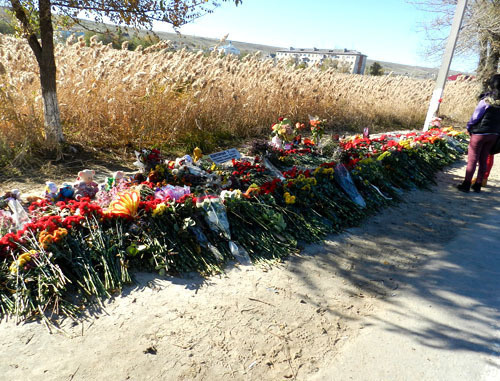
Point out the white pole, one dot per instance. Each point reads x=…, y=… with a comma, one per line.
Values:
x=445, y=64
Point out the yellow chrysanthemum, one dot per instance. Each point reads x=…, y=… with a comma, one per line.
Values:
x=160, y=209
x=21, y=261
x=289, y=199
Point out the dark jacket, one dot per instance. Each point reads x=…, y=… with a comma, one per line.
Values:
x=486, y=118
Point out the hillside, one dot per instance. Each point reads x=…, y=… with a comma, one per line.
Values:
x=205, y=43
x=409, y=70
x=183, y=40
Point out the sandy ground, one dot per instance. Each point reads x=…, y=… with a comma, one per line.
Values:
x=444, y=322
x=251, y=323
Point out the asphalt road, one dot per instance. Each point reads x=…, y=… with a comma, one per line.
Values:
x=443, y=324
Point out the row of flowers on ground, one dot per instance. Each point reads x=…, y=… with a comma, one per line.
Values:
x=72, y=248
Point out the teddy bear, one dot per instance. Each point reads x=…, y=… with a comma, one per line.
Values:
x=86, y=187
x=197, y=154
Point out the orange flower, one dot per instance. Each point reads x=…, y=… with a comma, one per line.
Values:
x=46, y=239
x=59, y=234
x=314, y=122
x=126, y=204
x=251, y=189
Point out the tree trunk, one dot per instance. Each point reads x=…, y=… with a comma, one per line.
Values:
x=488, y=63
x=491, y=66
x=44, y=54
x=483, y=53
x=47, y=64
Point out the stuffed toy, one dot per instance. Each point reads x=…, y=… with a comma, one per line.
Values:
x=66, y=192
x=112, y=182
x=51, y=191
x=197, y=154
x=86, y=187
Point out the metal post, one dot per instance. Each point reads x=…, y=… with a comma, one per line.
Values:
x=445, y=64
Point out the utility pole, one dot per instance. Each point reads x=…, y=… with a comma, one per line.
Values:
x=445, y=64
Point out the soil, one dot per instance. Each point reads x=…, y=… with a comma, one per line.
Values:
x=251, y=323
x=30, y=178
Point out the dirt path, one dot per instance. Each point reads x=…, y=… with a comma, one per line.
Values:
x=251, y=323
x=443, y=324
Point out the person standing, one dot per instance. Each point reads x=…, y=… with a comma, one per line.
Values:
x=484, y=129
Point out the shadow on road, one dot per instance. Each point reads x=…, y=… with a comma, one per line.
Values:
x=442, y=246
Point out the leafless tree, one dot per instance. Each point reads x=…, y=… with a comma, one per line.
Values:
x=480, y=32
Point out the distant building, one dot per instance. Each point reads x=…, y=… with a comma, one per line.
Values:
x=354, y=61
x=229, y=49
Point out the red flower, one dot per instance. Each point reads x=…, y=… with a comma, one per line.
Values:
x=185, y=198
x=270, y=186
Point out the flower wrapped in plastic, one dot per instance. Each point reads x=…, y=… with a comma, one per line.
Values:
x=283, y=130
x=170, y=192
x=215, y=215
x=148, y=159
x=105, y=197
x=6, y=222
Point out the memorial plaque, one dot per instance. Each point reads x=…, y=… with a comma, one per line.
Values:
x=223, y=156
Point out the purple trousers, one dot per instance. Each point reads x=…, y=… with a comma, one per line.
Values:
x=479, y=149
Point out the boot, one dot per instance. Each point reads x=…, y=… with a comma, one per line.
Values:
x=484, y=183
x=464, y=187
x=476, y=187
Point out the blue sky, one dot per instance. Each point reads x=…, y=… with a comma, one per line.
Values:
x=388, y=30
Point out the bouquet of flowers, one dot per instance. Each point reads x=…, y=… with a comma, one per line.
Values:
x=317, y=128
x=148, y=159
x=215, y=215
x=435, y=122
x=6, y=222
x=282, y=132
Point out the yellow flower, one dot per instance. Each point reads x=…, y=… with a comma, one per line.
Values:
x=384, y=155
x=289, y=199
x=126, y=203
x=160, y=209
x=21, y=261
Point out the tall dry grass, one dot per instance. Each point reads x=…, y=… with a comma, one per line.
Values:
x=113, y=97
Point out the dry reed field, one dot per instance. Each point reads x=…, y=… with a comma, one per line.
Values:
x=112, y=97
